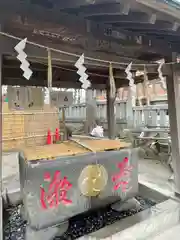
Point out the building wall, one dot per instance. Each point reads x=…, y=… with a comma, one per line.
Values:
x=155, y=92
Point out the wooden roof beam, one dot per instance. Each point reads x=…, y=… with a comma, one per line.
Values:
x=33, y=82
x=12, y=63
x=162, y=7
x=69, y=4
x=61, y=84
x=159, y=25
x=147, y=42
x=151, y=8
x=19, y=81
x=38, y=54
x=175, y=26
x=106, y=9
x=121, y=37
x=131, y=18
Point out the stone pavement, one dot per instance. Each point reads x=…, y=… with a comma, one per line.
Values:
x=10, y=172
x=172, y=233
x=10, y=164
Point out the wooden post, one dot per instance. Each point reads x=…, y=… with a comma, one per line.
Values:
x=111, y=96
x=110, y=115
x=90, y=111
x=154, y=88
x=173, y=92
x=1, y=163
x=64, y=124
x=146, y=87
x=49, y=77
x=129, y=110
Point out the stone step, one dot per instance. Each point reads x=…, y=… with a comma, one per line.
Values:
x=172, y=233
x=144, y=225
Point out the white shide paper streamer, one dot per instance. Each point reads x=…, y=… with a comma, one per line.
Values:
x=131, y=83
x=82, y=72
x=19, y=48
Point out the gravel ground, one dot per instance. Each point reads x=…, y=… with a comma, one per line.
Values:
x=80, y=225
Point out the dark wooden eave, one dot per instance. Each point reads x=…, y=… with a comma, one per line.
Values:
x=127, y=25
x=115, y=30
x=63, y=76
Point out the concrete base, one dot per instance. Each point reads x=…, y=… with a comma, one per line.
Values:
x=171, y=179
x=12, y=197
x=177, y=195
x=11, y=185
x=129, y=204
x=47, y=233
x=144, y=225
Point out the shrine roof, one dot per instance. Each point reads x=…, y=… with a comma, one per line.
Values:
x=118, y=31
